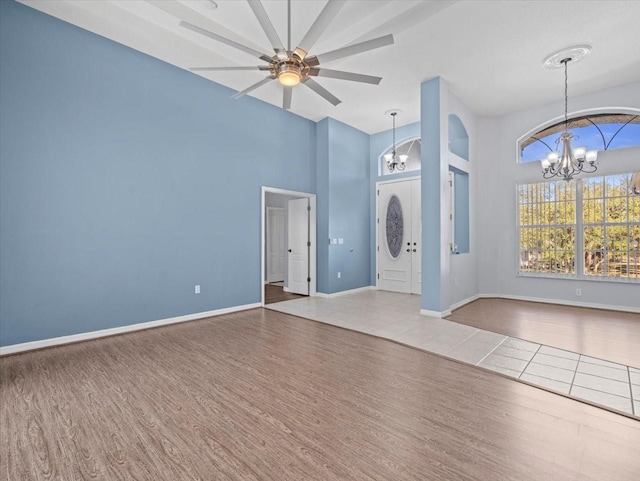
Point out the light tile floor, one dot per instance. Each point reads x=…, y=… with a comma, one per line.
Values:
x=396, y=316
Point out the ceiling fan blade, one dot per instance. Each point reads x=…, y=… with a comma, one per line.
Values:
x=286, y=98
x=252, y=87
x=353, y=49
x=339, y=74
x=320, y=90
x=204, y=69
x=328, y=13
x=220, y=38
x=267, y=26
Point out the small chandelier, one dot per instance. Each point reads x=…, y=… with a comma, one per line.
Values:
x=635, y=183
x=569, y=161
x=395, y=161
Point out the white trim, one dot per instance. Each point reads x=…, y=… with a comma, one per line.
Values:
x=85, y=336
x=312, y=234
x=438, y=314
x=400, y=179
x=562, y=302
x=463, y=302
x=344, y=293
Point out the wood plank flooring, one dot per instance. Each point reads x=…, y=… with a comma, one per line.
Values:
x=260, y=395
x=610, y=335
x=277, y=294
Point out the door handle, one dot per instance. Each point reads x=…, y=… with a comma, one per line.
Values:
x=289, y=250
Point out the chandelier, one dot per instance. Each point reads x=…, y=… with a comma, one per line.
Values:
x=395, y=161
x=635, y=183
x=567, y=161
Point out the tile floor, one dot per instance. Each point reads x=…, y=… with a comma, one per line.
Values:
x=396, y=316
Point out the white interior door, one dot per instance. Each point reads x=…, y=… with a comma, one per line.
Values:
x=298, y=242
x=416, y=238
x=276, y=252
x=399, y=237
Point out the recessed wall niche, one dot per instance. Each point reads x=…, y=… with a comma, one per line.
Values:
x=458, y=137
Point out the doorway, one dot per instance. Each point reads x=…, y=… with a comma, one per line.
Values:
x=288, y=237
x=399, y=239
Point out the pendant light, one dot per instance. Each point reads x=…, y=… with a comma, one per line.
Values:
x=568, y=161
x=393, y=160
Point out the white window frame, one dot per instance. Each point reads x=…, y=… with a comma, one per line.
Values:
x=579, y=226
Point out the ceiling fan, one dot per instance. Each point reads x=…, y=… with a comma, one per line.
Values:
x=292, y=67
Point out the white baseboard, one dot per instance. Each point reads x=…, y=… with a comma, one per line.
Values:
x=343, y=293
x=438, y=314
x=85, y=336
x=562, y=302
x=464, y=302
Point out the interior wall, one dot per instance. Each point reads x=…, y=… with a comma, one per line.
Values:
x=498, y=174
x=343, y=192
x=126, y=181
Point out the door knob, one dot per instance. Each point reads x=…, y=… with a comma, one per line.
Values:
x=408, y=250
x=408, y=243
x=414, y=250
x=289, y=250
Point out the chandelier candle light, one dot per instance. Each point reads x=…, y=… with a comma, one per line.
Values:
x=395, y=161
x=569, y=161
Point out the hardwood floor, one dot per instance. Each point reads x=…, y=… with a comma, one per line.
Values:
x=262, y=395
x=610, y=335
x=277, y=294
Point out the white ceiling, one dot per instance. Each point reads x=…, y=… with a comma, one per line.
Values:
x=489, y=52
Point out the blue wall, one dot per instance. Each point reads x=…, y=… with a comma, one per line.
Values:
x=125, y=181
x=430, y=105
x=344, y=206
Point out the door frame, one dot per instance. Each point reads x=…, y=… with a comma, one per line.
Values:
x=378, y=184
x=312, y=235
x=267, y=245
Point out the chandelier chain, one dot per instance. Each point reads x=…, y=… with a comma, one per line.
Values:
x=394, y=135
x=566, y=95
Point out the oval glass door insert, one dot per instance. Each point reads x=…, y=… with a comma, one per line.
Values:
x=394, y=227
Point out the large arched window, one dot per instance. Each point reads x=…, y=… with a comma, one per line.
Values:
x=605, y=131
x=410, y=147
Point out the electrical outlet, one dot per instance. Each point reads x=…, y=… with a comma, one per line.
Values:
x=339, y=275
x=578, y=292
x=197, y=289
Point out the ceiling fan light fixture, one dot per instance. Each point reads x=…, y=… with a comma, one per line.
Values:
x=289, y=75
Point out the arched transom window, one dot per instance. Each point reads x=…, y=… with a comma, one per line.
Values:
x=606, y=131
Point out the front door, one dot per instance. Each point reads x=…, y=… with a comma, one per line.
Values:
x=298, y=241
x=399, y=237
